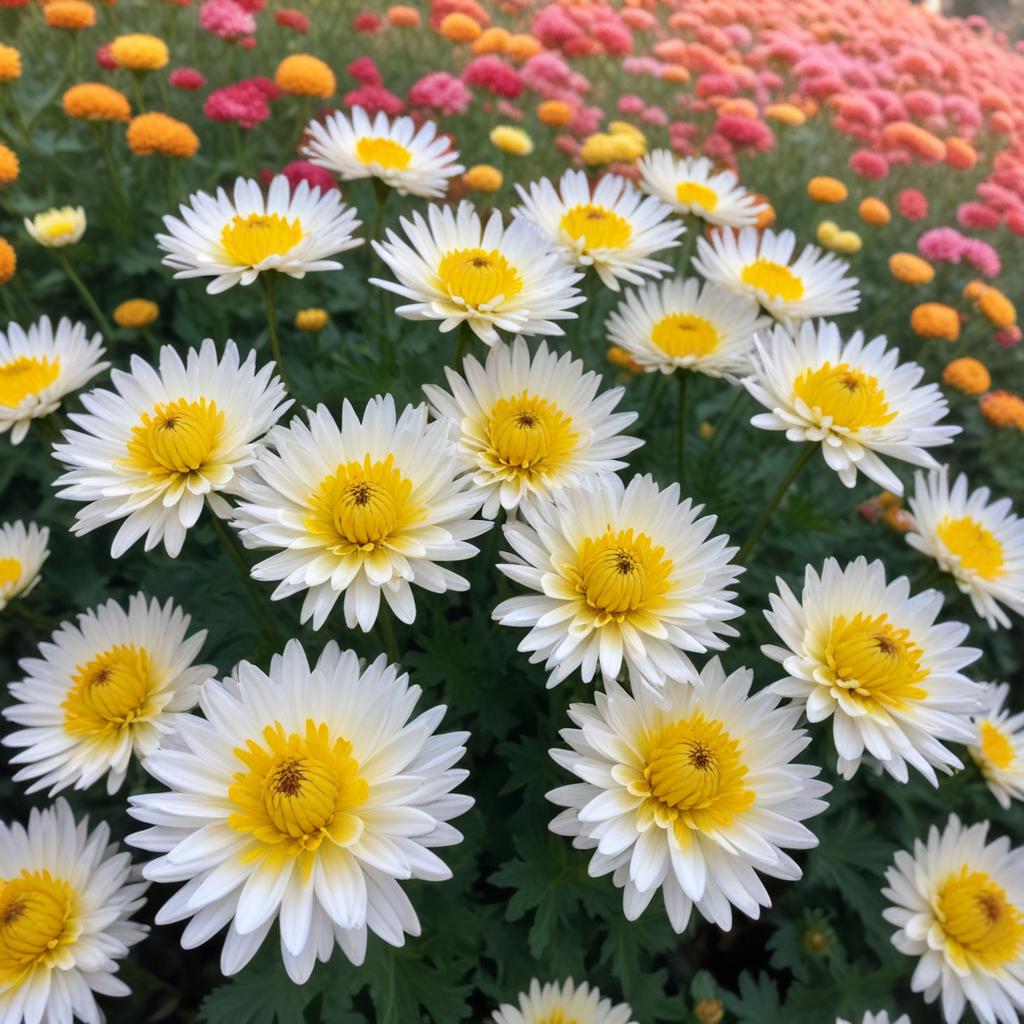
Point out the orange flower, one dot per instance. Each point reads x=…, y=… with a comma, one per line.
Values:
x=766, y=218
x=1001, y=123
x=997, y=308
x=913, y=137
x=738, y=106
x=94, y=101
x=483, y=178
x=522, y=46
x=618, y=356
x=675, y=73
x=827, y=190
x=8, y=261
x=69, y=14
x=459, y=28
x=403, y=17
x=139, y=52
x=960, y=154
x=910, y=269
x=874, y=212
x=785, y=113
x=136, y=313
x=491, y=40
x=554, y=113
x=303, y=75
x=9, y=165
x=973, y=289
x=968, y=376
x=935, y=320
x=159, y=133
x=10, y=63
x=1003, y=409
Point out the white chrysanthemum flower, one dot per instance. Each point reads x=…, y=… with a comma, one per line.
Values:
x=854, y=398
x=621, y=576
x=303, y=797
x=102, y=691
x=234, y=239
x=57, y=227
x=39, y=367
x=872, y=658
x=690, y=185
x=679, y=325
x=22, y=553
x=958, y=903
x=365, y=510
x=562, y=1004
x=693, y=795
x=998, y=745
x=66, y=899
x=153, y=452
x=526, y=427
x=980, y=543
x=760, y=264
x=882, y=1017
x=490, y=277
x=411, y=160
x=616, y=230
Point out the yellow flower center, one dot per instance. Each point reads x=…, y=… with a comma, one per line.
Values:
x=597, y=227
x=557, y=1017
x=56, y=225
x=776, y=280
x=24, y=376
x=248, y=241
x=682, y=334
x=385, y=153
x=693, y=194
x=297, y=790
x=10, y=572
x=110, y=692
x=996, y=748
x=982, y=927
x=530, y=435
x=849, y=397
x=478, y=277
x=36, y=919
x=977, y=548
x=177, y=437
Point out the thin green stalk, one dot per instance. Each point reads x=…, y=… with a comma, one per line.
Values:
x=682, y=378
x=725, y=421
x=140, y=101
x=8, y=304
x=381, y=193
x=151, y=340
x=255, y=597
x=586, y=311
x=268, y=282
x=236, y=143
x=19, y=121
x=108, y=159
x=98, y=315
x=462, y=340
x=386, y=629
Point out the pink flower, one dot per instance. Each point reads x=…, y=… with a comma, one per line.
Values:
x=1009, y=336
x=374, y=98
x=912, y=204
x=654, y=115
x=288, y=17
x=364, y=70
x=869, y=164
x=440, y=91
x=745, y=131
x=945, y=245
x=495, y=75
x=982, y=257
x=977, y=217
x=187, y=78
x=586, y=120
x=1015, y=221
x=104, y=57
x=317, y=177
x=246, y=103
x=631, y=104
x=716, y=85
x=252, y=6
x=367, y=22
x=554, y=28
x=227, y=19
x=616, y=39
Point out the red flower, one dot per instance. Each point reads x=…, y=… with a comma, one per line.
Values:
x=912, y=204
x=495, y=75
x=364, y=70
x=317, y=177
x=187, y=78
x=288, y=17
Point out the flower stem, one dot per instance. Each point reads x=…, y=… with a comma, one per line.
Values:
x=104, y=323
x=255, y=597
x=725, y=421
x=268, y=282
x=108, y=159
x=682, y=376
x=140, y=101
x=386, y=628
x=462, y=340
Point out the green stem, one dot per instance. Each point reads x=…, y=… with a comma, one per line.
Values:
x=268, y=282
x=236, y=142
x=255, y=597
x=98, y=316
x=8, y=304
x=725, y=421
x=381, y=193
x=682, y=377
x=115, y=175
x=19, y=121
x=462, y=340
x=387, y=634
x=151, y=340
x=590, y=293
x=140, y=101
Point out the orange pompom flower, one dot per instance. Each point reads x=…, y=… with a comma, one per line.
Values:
x=960, y=155
x=910, y=268
x=10, y=167
x=94, y=101
x=785, y=113
x=8, y=261
x=874, y=212
x=912, y=137
x=827, y=190
x=304, y=75
x=491, y=40
x=139, y=52
x=522, y=46
x=554, y=113
x=1003, y=409
x=10, y=63
x=483, y=178
x=160, y=133
x=935, y=320
x=968, y=376
x=997, y=308
x=459, y=28
x=136, y=313
x=402, y=16
x=69, y=14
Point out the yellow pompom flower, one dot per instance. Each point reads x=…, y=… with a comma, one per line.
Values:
x=491, y=40
x=973, y=289
x=303, y=75
x=935, y=320
x=10, y=63
x=57, y=227
x=460, y=28
x=160, y=133
x=9, y=165
x=997, y=308
x=311, y=320
x=1003, y=409
x=139, y=52
x=523, y=46
x=94, y=101
x=621, y=143
x=136, y=313
x=785, y=113
x=910, y=268
x=827, y=231
x=8, y=261
x=968, y=376
x=69, y=14
x=874, y=212
x=483, y=178
x=847, y=243
x=510, y=139
x=827, y=190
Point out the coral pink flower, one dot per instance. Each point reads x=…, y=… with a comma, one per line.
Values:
x=187, y=78
x=365, y=71
x=977, y=217
x=945, y=245
x=912, y=204
x=982, y=257
x=869, y=164
x=440, y=91
x=367, y=22
x=105, y=58
x=494, y=75
x=288, y=17
x=246, y=103
x=375, y=98
x=227, y=19
x=1009, y=336
x=316, y=177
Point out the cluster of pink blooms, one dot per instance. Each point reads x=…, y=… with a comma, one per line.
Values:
x=947, y=245
x=246, y=103
x=371, y=94
x=230, y=19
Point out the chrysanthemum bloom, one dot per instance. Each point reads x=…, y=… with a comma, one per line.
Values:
x=69, y=14
x=679, y=325
x=785, y=113
x=189, y=79
x=483, y=178
x=998, y=746
x=616, y=230
x=8, y=261
x=38, y=368
x=935, y=320
x=555, y=113
x=563, y=1003
x=166, y=442
x=94, y=101
x=969, y=376
x=690, y=185
x=827, y=190
x=1003, y=409
x=958, y=905
x=910, y=268
x=527, y=427
x=854, y=398
x=10, y=63
x=139, y=52
x=136, y=313
x=101, y=691
x=874, y=212
x=402, y=16
x=622, y=575
x=66, y=902
x=459, y=27
x=159, y=133
x=235, y=239
x=290, y=18
x=22, y=553
x=882, y=1017
x=871, y=657
x=997, y=308
x=303, y=75
x=311, y=320
x=10, y=166
x=512, y=140
x=759, y=264
x=302, y=798
x=693, y=794
x=57, y=227
x=981, y=544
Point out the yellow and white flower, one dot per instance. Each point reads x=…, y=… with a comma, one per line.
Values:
x=854, y=398
x=67, y=896
x=690, y=185
x=616, y=230
x=679, y=325
x=998, y=745
x=41, y=366
x=693, y=795
x=958, y=906
x=760, y=264
x=235, y=238
x=871, y=657
x=563, y=1003
x=57, y=227
x=412, y=160
x=526, y=427
x=303, y=797
x=622, y=576
x=882, y=1017
x=22, y=553
x=102, y=690
x=366, y=510
x=980, y=543
x=166, y=442
x=456, y=270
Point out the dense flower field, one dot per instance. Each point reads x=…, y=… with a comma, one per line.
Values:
x=508, y=512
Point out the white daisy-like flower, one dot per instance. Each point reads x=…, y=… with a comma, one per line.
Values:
x=526, y=427
x=616, y=230
x=622, y=575
x=367, y=510
x=166, y=442
x=690, y=185
x=235, y=238
x=412, y=160
x=882, y=1017
x=871, y=657
x=303, y=797
x=101, y=691
x=854, y=398
x=39, y=367
x=958, y=905
x=760, y=264
x=981, y=543
x=693, y=795
x=57, y=227
x=564, y=1003
x=679, y=325
x=998, y=745
x=457, y=270
x=67, y=896
x=23, y=549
